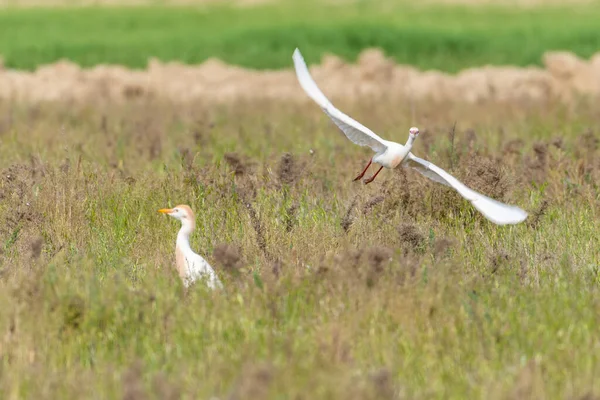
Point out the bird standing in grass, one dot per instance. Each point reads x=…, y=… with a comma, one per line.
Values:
x=390, y=154
x=191, y=266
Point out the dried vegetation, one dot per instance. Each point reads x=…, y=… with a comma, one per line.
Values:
x=564, y=77
x=334, y=289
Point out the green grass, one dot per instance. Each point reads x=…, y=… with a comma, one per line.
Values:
x=333, y=289
x=419, y=298
x=441, y=37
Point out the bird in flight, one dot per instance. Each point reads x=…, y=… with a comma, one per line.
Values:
x=191, y=266
x=391, y=154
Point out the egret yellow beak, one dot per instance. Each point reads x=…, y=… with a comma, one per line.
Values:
x=165, y=210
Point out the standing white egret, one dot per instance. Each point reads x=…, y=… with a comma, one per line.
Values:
x=390, y=154
x=191, y=266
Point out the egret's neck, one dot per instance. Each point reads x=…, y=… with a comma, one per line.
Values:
x=183, y=237
x=409, y=142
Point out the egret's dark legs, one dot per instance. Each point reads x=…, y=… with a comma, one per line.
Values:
x=369, y=180
x=365, y=170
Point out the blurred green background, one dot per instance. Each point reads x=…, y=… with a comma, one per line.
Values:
x=444, y=37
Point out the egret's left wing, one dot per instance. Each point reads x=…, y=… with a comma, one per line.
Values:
x=495, y=211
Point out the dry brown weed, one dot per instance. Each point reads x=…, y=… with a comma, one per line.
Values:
x=288, y=171
x=228, y=257
x=347, y=220
x=486, y=176
x=253, y=383
x=133, y=386
x=164, y=389
x=410, y=235
x=236, y=162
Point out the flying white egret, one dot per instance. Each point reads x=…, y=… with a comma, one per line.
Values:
x=390, y=154
x=191, y=266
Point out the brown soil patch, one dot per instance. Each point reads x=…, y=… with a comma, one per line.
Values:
x=564, y=77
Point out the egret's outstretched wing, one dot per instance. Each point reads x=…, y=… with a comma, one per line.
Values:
x=497, y=212
x=354, y=130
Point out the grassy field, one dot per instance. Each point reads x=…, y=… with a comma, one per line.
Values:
x=334, y=289
x=442, y=37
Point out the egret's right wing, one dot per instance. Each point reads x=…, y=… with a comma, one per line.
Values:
x=424, y=171
x=495, y=211
x=355, y=131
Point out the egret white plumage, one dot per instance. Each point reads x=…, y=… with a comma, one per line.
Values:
x=390, y=154
x=191, y=266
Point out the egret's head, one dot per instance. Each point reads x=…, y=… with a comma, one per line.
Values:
x=413, y=132
x=181, y=212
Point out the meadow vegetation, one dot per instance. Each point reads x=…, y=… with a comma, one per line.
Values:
x=334, y=289
x=444, y=37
